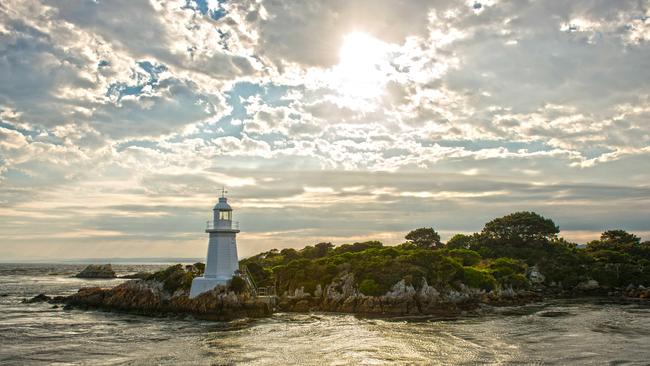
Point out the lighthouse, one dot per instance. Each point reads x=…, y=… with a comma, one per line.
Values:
x=221, y=262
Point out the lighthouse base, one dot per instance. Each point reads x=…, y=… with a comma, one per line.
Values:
x=203, y=284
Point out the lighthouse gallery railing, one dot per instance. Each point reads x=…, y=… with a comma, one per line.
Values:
x=209, y=225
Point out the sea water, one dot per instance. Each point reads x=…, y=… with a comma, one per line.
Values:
x=564, y=332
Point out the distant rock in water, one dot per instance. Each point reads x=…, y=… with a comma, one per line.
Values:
x=37, y=298
x=97, y=271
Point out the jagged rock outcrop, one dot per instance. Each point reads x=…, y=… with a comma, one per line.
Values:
x=402, y=299
x=97, y=271
x=150, y=298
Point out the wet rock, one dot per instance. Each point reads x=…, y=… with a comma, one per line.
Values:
x=36, y=299
x=97, y=271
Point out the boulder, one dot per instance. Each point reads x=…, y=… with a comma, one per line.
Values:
x=97, y=271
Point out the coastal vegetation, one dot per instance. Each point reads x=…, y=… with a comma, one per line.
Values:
x=502, y=255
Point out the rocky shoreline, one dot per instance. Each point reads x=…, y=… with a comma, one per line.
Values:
x=146, y=297
x=150, y=297
x=342, y=296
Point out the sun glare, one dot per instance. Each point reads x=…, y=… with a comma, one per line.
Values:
x=361, y=72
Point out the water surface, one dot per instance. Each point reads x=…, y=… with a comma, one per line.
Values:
x=582, y=331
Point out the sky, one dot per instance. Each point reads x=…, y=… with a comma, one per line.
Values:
x=334, y=121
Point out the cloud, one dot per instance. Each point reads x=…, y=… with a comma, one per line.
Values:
x=338, y=119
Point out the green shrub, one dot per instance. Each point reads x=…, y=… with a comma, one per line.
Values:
x=369, y=287
x=173, y=278
x=465, y=256
x=503, y=267
x=475, y=278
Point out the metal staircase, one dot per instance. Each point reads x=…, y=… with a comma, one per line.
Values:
x=268, y=291
x=246, y=275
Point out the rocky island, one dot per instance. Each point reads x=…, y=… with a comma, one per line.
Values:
x=97, y=271
x=514, y=260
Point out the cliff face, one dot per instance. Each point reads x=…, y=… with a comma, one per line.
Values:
x=150, y=298
x=97, y=271
x=402, y=300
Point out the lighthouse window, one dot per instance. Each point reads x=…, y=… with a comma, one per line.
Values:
x=225, y=215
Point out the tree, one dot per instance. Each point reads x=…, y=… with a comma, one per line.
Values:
x=459, y=241
x=289, y=254
x=521, y=228
x=424, y=237
x=322, y=249
x=619, y=237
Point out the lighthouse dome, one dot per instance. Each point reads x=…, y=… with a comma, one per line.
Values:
x=222, y=205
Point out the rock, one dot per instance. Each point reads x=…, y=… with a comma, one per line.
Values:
x=36, y=299
x=400, y=290
x=319, y=291
x=302, y=306
x=535, y=276
x=300, y=293
x=588, y=285
x=136, y=276
x=4, y=295
x=97, y=271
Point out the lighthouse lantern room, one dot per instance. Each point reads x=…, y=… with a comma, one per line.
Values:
x=221, y=262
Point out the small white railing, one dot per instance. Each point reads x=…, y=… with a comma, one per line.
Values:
x=209, y=225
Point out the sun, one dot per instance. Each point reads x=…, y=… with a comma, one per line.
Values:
x=363, y=66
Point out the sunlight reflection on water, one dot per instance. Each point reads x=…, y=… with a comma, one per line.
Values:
x=557, y=332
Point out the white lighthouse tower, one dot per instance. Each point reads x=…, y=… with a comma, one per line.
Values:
x=222, y=262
